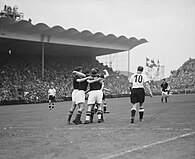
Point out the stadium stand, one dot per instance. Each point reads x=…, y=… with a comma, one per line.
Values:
x=42, y=55
x=21, y=77
x=181, y=80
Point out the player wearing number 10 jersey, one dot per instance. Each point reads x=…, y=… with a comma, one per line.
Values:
x=137, y=97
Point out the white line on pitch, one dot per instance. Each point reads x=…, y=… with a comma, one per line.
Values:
x=96, y=128
x=146, y=146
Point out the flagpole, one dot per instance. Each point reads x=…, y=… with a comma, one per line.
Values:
x=128, y=67
x=128, y=62
x=42, y=55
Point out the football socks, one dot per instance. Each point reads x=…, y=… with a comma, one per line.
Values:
x=133, y=111
x=141, y=114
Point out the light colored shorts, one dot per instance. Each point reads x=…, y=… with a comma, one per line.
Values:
x=74, y=95
x=80, y=97
x=164, y=93
x=95, y=97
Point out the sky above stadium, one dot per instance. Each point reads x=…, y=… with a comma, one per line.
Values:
x=168, y=25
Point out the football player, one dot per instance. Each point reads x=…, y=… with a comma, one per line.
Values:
x=51, y=96
x=77, y=75
x=165, y=90
x=137, y=97
x=95, y=96
x=83, y=84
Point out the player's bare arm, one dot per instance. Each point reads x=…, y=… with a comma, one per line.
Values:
x=79, y=73
x=94, y=80
x=83, y=79
x=107, y=74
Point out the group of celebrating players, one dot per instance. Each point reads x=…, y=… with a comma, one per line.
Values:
x=90, y=85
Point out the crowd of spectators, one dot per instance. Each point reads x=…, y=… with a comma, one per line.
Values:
x=180, y=81
x=21, y=77
x=183, y=79
x=11, y=12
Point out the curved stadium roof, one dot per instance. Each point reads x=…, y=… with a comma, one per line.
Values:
x=24, y=37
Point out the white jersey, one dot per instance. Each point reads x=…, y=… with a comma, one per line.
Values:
x=138, y=80
x=52, y=91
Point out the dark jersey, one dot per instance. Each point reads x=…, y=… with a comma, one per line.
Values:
x=83, y=85
x=75, y=83
x=164, y=86
x=95, y=86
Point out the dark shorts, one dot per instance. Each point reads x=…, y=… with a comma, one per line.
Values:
x=137, y=95
x=52, y=98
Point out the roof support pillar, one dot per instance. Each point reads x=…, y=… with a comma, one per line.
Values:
x=128, y=62
x=43, y=58
x=128, y=67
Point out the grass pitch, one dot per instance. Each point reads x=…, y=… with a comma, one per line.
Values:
x=35, y=132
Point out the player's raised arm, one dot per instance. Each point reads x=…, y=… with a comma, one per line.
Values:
x=79, y=73
x=107, y=74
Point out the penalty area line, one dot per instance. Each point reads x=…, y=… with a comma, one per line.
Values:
x=146, y=146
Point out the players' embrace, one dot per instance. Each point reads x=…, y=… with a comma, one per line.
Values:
x=90, y=84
